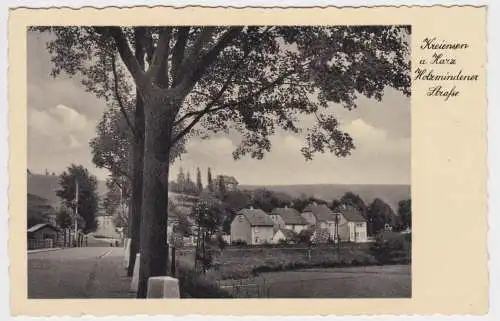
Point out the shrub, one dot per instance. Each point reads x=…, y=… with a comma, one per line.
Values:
x=192, y=285
x=283, y=242
x=239, y=243
x=391, y=247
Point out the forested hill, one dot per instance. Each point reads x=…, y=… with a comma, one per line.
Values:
x=45, y=186
x=391, y=194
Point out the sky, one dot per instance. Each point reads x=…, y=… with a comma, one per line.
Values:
x=62, y=119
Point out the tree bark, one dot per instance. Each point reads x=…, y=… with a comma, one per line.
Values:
x=137, y=163
x=159, y=118
x=137, y=180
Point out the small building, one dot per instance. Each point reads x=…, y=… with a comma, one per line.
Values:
x=230, y=183
x=353, y=224
x=321, y=216
x=42, y=235
x=282, y=234
x=106, y=227
x=252, y=226
x=318, y=214
x=288, y=218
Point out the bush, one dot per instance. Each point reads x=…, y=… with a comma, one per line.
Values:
x=239, y=243
x=391, y=247
x=192, y=285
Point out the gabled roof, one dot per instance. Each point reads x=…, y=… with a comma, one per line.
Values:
x=256, y=217
x=354, y=217
x=287, y=233
x=351, y=214
x=321, y=212
x=290, y=216
x=37, y=227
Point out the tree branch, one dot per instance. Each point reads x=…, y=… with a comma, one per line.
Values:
x=118, y=97
x=160, y=55
x=203, y=37
x=148, y=45
x=127, y=56
x=117, y=170
x=178, y=53
x=246, y=53
x=207, y=59
x=208, y=109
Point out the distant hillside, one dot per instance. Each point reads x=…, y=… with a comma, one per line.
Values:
x=391, y=194
x=45, y=186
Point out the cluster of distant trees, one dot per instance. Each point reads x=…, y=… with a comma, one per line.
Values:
x=185, y=185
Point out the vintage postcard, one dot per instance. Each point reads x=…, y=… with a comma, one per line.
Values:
x=226, y=161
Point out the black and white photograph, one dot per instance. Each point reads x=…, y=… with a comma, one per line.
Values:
x=253, y=161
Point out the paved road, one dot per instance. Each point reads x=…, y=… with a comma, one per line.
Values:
x=92, y=272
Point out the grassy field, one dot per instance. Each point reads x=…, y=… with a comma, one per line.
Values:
x=353, y=282
x=297, y=272
x=246, y=262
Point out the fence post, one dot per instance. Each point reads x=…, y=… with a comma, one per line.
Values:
x=172, y=265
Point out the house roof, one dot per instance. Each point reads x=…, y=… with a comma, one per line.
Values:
x=287, y=233
x=352, y=215
x=256, y=217
x=322, y=212
x=290, y=216
x=37, y=227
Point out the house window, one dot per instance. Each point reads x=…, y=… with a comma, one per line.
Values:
x=256, y=230
x=359, y=224
x=357, y=234
x=256, y=240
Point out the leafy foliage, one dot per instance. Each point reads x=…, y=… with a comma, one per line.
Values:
x=380, y=213
x=87, y=194
x=192, y=285
x=404, y=212
x=300, y=203
x=63, y=218
x=209, y=181
x=199, y=184
x=268, y=200
x=351, y=199
x=391, y=247
x=244, y=76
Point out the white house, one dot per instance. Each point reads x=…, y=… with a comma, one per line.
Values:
x=252, y=226
x=352, y=225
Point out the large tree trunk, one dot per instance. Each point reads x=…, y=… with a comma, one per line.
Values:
x=136, y=199
x=154, y=247
x=137, y=165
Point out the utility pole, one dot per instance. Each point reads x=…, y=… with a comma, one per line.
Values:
x=76, y=211
x=337, y=233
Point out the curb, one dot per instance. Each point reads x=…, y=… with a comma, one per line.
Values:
x=44, y=250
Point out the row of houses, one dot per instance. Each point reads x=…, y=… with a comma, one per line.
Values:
x=254, y=226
